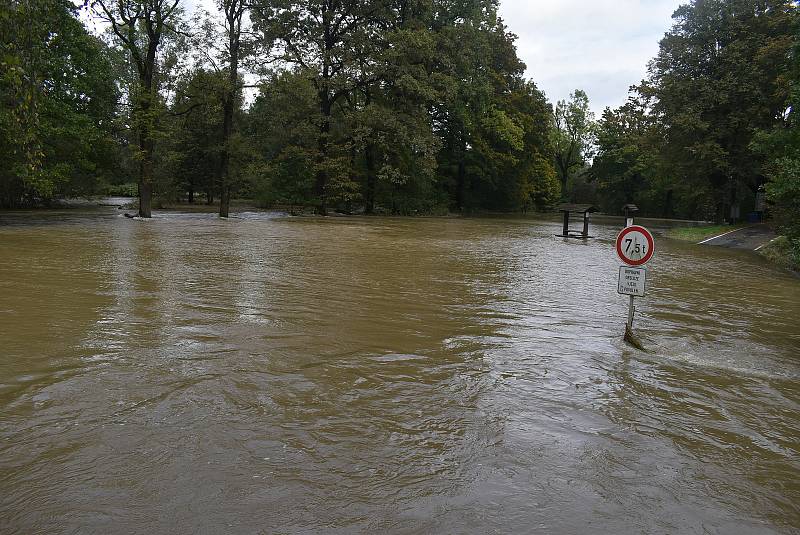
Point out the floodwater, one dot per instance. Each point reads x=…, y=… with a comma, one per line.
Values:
x=270, y=374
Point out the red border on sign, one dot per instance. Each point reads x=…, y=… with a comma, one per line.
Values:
x=650, y=245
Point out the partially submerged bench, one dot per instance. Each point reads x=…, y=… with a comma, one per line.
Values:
x=584, y=209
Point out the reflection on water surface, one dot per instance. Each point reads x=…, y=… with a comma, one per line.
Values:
x=275, y=374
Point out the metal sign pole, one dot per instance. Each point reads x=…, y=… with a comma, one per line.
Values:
x=631, y=308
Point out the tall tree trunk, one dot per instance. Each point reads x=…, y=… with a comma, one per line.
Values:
x=147, y=148
x=224, y=200
x=227, y=129
x=563, y=175
x=151, y=19
x=224, y=181
x=148, y=124
x=234, y=10
x=145, y=199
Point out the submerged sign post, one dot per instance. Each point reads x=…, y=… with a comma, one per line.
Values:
x=635, y=247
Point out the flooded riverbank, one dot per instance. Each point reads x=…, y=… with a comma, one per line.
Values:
x=276, y=374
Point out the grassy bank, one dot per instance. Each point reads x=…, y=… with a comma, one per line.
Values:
x=781, y=252
x=698, y=234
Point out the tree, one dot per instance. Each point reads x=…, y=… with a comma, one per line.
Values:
x=533, y=182
x=233, y=11
x=480, y=118
x=282, y=128
x=780, y=147
x=195, y=142
x=393, y=143
x=418, y=104
x=625, y=164
x=283, y=152
x=140, y=26
x=573, y=135
x=719, y=77
x=334, y=42
x=59, y=104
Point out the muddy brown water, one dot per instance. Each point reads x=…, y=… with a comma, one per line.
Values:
x=270, y=374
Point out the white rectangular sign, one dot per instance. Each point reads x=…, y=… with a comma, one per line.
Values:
x=632, y=281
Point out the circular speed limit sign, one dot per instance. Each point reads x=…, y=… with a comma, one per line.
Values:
x=635, y=245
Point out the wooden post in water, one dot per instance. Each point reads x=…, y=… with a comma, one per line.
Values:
x=585, y=225
x=584, y=209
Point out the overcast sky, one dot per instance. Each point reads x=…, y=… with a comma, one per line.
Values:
x=600, y=46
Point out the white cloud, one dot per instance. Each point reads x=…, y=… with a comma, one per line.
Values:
x=600, y=46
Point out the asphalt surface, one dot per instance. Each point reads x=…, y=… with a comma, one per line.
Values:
x=752, y=238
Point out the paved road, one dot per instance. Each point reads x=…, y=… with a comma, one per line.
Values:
x=752, y=238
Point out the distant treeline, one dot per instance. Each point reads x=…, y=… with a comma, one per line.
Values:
x=388, y=106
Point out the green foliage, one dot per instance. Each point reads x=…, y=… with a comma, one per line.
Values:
x=784, y=191
x=495, y=127
x=522, y=177
x=718, y=79
x=393, y=107
x=700, y=135
x=142, y=28
x=572, y=136
x=780, y=147
x=419, y=105
x=122, y=190
x=625, y=166
x=335, y=45
x=536, y=180
x=288, y=179
x=192, y=137
x=784, y=252
x=401, y=107
x=281, y=126
x=59, y=102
